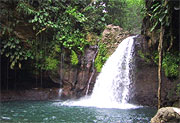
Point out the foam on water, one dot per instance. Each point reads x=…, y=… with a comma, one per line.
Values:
x=88, y=102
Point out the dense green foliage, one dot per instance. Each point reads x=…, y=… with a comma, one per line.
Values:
x=13, y=49
x=55, y=26
x=64, y=25
x=127, y=14
x=59, y=26
x=170, y=64
x=134, y=13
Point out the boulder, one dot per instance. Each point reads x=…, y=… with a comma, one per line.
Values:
x=167, y=115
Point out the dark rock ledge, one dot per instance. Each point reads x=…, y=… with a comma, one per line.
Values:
x=31, y=94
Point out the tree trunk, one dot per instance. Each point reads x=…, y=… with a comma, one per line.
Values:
x=160, y=66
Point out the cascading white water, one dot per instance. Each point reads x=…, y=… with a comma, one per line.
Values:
x=112, y=86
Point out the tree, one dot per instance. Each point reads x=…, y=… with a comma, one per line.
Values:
x=160, y=47
x=127, y=14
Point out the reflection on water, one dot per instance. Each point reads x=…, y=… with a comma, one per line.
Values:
x=35, y=111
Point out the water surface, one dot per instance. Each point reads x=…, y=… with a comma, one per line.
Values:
x=48, y=111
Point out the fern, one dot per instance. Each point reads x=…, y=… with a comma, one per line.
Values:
x=74, y=58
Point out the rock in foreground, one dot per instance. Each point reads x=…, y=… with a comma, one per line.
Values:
x=167, y=115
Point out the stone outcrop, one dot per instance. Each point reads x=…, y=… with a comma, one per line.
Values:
x=112, y=37
x=167, y=115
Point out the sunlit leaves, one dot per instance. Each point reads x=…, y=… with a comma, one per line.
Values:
x=73, y=12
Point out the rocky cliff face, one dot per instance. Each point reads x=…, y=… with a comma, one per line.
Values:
x=77, y=81
x=112, y=36
x=74, y=79
x=146, y=80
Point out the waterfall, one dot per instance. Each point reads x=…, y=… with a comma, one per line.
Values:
x=112, y=86
x=93, y=72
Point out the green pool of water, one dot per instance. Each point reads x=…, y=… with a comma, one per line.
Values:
x=50, y=112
